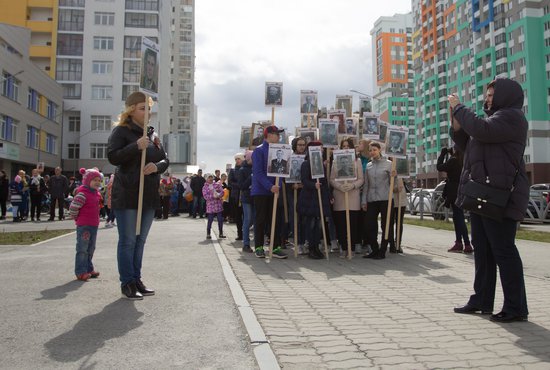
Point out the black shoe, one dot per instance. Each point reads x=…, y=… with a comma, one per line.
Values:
x=239, y=238
x=371, y=255
x=208, y=236
x=51, y=219
x=506, y=317
x=221, y=236
x=379, y=256
x=129, y=291
x=314, y=255
x=247, y=249
x=142, y=289
x=400, y=250
x=393, y=250
x=468, y=309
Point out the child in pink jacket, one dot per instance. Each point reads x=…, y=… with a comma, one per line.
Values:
x=85, y=211
x=213, y=194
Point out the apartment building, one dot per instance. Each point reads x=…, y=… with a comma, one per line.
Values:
x=459, y=47
x=31, y=106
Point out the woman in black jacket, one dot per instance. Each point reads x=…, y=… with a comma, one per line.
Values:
x=493, y=154
x=453, y=167
x=126, y=144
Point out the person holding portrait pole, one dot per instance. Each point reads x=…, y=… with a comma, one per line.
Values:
x=125, y=146
x=493, y=150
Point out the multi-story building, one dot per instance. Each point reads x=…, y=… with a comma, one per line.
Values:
x=459, y=47
x=181, y=142
x=40, y=16
x=393, y=75
x=30, y=107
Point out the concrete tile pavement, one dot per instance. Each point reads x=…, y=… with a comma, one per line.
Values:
x=392, y=313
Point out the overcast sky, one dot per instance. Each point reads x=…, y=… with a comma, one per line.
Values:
x=305, y=44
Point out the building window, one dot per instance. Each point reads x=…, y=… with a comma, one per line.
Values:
x=105, y=19
x=10, y=86
x=102, y=92
x=69, y=44
x=74, y=151
x=33, y=100
x=103, y=43
x=68, y=70
x=131, y=71
x=101, y=123
x=72, y=91
x=102, y=68
x=51, y=142
x=132, y=46
x=8, y=128
x=71, y=20
x=73, y=3
x=52, y=110
x=98, y=151
x=128, y=89
x=32, y=137
x=74, y=124
x=142, y=5
x=141, y=20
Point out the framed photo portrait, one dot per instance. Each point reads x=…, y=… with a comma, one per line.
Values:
x=257, y=134
x=245, y=136
x=328, y=133
x=296, y=161
x=402, y=167
x=308, y=101
x=149, y=78
x=283, y=136
x=274, y=94
x=340, y=116
x=364, y=105
x=346, y=137
x=383, y=127
x=344, y=164
x=308, y=120
x=40, y=167
x=309, y=134
x=316, y=162
x=278, y=159
x=344, y=102
x=371, y=126
x=396, y=142
x=351, y=126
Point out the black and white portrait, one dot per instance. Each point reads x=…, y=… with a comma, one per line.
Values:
x=344, y=164
x=274, y=93
x=278, y=160
x=309, y=134
x=364, y=105
x=344, y=102
x=316, y=162
x=309, y=120
x=296, y=161
x=351, y=126
x=308, y=102
x=245, y=136
x=257, y=133
x=149, y=66
x=340, y=116
x=402, y=167
x=328, y=133
x=383, y=130
x=396, y=142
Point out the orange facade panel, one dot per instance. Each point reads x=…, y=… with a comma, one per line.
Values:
x=429, y=32
x=450, y=22
x=389, y=41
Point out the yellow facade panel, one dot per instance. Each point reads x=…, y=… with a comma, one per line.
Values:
x=40, y=3
x=40, y=26
x=40, y=51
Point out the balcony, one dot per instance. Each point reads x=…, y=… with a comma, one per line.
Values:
x=40, y=26
x=40, y=51
x=40, y=3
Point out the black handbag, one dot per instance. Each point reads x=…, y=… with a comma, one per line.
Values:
x=485, y=200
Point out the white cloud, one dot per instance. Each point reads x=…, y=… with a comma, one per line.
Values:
x=306, y=44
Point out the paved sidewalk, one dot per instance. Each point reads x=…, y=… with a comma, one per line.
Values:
x=388, y=314
x=392, y=313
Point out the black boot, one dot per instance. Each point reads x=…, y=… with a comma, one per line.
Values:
x=315, y=253
x=142, y=289
x=382, y=252
x=129, y=291
x=319, y=253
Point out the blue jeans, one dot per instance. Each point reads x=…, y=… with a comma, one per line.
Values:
x=130, y=246
x=248, y=220
x=86, y=237
x=461, y=230
x=219, y=217
x=312, y=230
x=494, y=244
x=198, y=206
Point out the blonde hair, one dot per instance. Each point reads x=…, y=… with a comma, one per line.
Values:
x=124, y=117
x=366, y=144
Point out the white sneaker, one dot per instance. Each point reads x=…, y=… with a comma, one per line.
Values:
x=358, y=249
x=302, y=249
x=334, y=246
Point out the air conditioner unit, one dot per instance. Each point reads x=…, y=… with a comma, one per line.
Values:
x=49, y=43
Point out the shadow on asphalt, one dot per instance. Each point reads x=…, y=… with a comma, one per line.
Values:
x=60, y=291
x=529, y=333
x=90, y=333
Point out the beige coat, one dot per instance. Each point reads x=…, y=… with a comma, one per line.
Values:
x=353, y=195
x=399, y=193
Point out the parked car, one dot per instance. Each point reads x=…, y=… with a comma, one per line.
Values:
x=428, y=201
x=537, y=208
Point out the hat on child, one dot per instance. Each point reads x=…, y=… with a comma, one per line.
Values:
x=89, y=174
x=17, y=178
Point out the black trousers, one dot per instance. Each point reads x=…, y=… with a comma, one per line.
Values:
x=373, y=210
x=262, y=222
x=36, y=205
x=494, y=244
x=237, y=214
x=341, y=228
x=60, y=203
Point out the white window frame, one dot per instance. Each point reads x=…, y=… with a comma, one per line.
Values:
x=102, y=67
x=104, y=18
x=100, y=123
x=102, y=92
x=104, y=43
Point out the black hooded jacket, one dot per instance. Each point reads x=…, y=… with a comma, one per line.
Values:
x=493, y=147
x=123, y=153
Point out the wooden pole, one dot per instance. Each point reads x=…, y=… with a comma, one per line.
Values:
x=141, y=174
x=295, y=223
x=273, y=219
x=322, y=219
x=348, y=223
x=390, y=198
x=308, y=121
x=285, y=206
x=398, y=242
x=272, y=115
x=328, y=162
